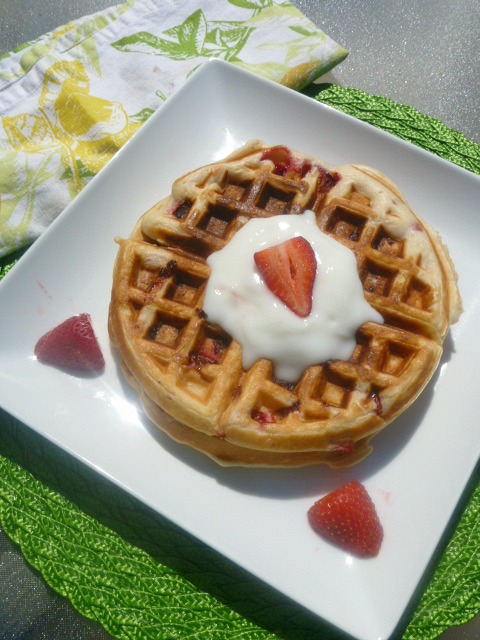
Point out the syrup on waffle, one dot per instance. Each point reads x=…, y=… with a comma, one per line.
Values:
x=188, y=372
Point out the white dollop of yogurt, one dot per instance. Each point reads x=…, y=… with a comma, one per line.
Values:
x=238, y=300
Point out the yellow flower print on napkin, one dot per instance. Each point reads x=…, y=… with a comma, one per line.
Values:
x=71, y=136
x=84, y=129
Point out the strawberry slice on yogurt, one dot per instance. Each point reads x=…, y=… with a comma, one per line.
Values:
x=288, y=270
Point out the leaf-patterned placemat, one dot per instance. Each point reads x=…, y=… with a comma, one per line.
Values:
x=139, y=576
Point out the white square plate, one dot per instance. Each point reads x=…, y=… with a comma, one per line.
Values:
x=257, y=518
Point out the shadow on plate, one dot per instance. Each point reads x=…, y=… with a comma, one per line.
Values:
x=312, y=481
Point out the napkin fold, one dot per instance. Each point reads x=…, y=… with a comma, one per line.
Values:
x=72, y=98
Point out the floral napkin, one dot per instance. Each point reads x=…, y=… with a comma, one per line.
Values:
x=72, y=98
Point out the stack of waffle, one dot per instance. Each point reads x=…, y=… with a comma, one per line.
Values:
x=188, y=371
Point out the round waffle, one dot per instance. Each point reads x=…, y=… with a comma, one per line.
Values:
x=188, y=372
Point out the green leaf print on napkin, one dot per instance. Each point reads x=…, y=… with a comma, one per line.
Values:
x=291, y=60
x=193, y=38
x=251, y=4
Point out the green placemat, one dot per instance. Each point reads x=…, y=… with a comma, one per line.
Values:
x=139, y=576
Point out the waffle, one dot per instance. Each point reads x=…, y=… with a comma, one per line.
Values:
x=248, y=417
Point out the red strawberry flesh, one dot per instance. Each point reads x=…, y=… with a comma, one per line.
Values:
x=288, y=269
x=72, y=344
x=280, y=156
x=347, y=518
x=287, y=163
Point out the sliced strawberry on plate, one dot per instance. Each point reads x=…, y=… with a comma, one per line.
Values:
x=347, y=517
x=288, y=269
x=72, y=344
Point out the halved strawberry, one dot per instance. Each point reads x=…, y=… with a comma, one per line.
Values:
x=347, y=517
x=288, y=270
x=72, y=344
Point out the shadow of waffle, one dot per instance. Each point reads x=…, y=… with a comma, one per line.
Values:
x=291, y=484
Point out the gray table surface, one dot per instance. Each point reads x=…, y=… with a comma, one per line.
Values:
x=423, y=53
